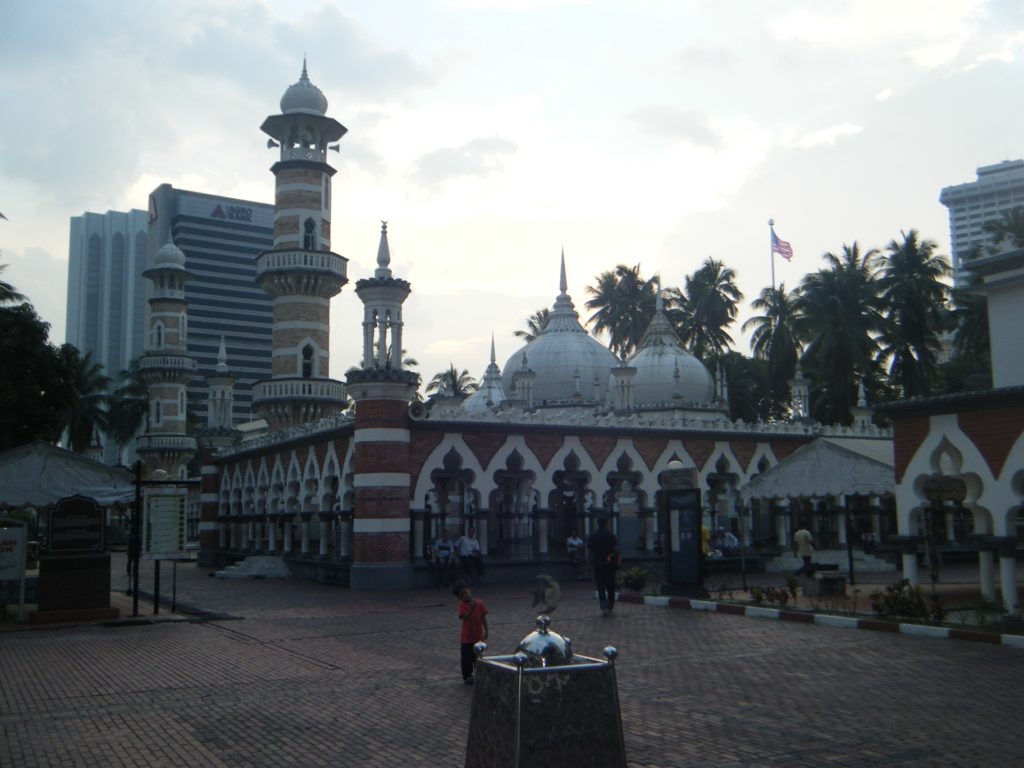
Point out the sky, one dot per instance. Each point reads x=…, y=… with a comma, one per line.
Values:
x=494, y=134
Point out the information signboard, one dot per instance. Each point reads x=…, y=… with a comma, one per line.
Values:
x=684, y=519
x=13, y=549
x=76, y=525
x=164, y=523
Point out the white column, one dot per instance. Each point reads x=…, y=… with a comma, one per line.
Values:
x=910, y=567
x=222, y=534
x=272, y=535
x=257, y=536
x=481, y=534
x=304, y=528
x=649, y=533
x=782, y=538
x=543, y=534
x=986, y=574
x=323, y=537
x=1008, y=582
x=286, y=521
x=950, y=528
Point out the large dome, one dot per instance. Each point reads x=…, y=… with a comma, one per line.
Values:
x=665, y=372
x=304, y=97
x=565, y=358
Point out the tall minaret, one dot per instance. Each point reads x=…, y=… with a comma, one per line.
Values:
x=301, y=273
x=381, y=435
x=166, y=366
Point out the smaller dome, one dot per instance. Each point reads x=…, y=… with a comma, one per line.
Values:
x=304, y=97
x=169, y=255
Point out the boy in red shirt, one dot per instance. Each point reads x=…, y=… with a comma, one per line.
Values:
x=473, y=614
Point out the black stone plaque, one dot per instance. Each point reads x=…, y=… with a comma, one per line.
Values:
x=76, y=525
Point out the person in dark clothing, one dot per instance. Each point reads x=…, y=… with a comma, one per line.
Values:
x=603, y=548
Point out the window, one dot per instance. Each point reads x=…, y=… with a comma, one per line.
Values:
x=158, y=414
x=309, y=235
x=158, y=335
x=181, y=404
x=307, y=361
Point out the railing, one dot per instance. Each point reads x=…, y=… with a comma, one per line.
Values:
x=165, y=443
x=177, y=362
x=270, y=261
x=303, y=153
x=303, y=389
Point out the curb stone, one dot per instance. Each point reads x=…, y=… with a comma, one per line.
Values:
x=828, y=620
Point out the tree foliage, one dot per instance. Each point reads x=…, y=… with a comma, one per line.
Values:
x=36, y=387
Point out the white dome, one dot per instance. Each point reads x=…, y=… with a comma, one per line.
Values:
x=169, y=255
x=304, y=97
x=665, y=372
x=561, y=353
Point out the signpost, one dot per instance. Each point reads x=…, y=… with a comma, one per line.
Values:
x=164, y=530
x=13, y=547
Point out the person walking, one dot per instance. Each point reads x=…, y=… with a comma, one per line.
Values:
x=603, y=548
x=803, y=547
x=473, y=615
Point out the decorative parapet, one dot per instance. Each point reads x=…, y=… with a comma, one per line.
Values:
x=151, y=362
x=160, y=443
x=298, y=389
x=276, y=261
x=295, y=432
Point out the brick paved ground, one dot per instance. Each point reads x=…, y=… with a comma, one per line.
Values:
x=311, y=675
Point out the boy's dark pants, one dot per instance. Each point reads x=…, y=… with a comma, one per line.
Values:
x=468, y=660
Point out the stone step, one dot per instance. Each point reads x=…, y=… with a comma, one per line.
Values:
x=861, y=562
x=256, y=567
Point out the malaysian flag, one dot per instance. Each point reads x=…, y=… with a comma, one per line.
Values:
x=781, y=247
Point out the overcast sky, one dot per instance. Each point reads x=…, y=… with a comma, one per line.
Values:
x=493, y=133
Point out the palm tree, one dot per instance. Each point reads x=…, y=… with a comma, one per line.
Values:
x=453, y=383
x=535, y=324
x=128, y=406
x=1009, y=226
x=623, y=303
x=774, y=340
x=87, y=410
x=914, y=298
x=7, y=293
x=838, y=319
x=710, y=299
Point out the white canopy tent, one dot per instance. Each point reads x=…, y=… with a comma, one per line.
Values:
x=828, y=467
x=39, y=475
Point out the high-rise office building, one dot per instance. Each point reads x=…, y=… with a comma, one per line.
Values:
x=106, y=307
x=221, y=238
x=999, y=188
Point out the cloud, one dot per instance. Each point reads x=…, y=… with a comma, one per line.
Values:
x=677, y=125
x=477, y=158
x=706, y=57
x=827, y=137
x=884, y=95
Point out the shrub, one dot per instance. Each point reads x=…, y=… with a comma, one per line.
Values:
x=634, y=579
x=902, y=600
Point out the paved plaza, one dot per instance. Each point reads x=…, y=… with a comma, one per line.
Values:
x=285, y=672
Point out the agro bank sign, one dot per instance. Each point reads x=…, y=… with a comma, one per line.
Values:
x=163, y=523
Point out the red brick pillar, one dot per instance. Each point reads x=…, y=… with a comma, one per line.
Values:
x=381, y=521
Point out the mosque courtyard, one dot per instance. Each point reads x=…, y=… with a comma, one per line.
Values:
x=287, y=672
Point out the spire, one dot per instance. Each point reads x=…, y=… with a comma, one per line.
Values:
x=304, y=76
x=222, y=357
x=659, y=303
x=383, y=254
x=492, y=347
x=563, y=284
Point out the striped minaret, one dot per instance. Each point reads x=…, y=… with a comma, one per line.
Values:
x=300, y=272
x=219, y=433
x=166, y=366
x=382, y=392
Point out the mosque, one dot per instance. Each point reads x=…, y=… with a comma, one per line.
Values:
x=564, y=432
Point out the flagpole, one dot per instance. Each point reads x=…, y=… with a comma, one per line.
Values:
x=771, y=249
